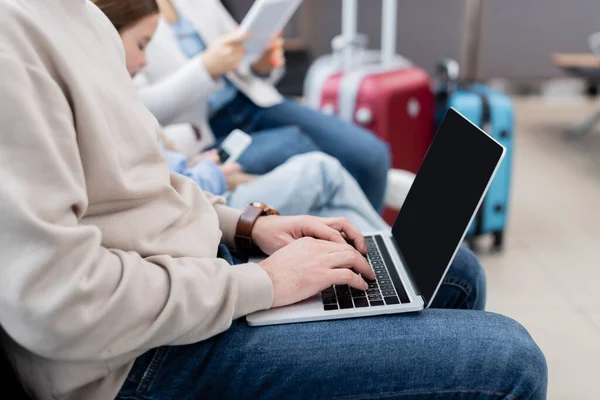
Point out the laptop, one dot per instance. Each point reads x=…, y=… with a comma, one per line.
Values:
x=411, y=261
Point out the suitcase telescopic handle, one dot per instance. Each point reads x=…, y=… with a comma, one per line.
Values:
x=389, y=19
x=349, y=31
x=470, y=57
x=389, y=22
x=350, y=18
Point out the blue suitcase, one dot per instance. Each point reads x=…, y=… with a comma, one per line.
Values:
x=493, y=112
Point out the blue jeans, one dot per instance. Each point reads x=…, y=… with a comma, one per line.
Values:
x=434, y=354
x=311, y=184
x=289, y=129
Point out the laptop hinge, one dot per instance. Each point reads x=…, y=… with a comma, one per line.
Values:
x=486, y=123
x=412, y=280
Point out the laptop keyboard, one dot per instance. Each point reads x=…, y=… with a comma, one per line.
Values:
x=386, y=289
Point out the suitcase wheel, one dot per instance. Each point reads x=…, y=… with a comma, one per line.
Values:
x=497, y=244
x=498, y=241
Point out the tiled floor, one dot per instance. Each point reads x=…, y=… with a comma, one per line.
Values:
x=548, y=278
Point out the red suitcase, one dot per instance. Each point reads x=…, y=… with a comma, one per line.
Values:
x=385, y=93
x=395, y=103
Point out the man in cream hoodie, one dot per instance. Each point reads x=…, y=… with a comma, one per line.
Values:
x=111, y=282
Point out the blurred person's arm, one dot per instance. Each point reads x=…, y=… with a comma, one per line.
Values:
x=181, y=91
x=205, y=173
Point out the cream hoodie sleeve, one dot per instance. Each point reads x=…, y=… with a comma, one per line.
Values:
x=63, y=295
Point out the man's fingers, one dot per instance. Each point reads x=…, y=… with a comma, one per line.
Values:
x=319, y=230
x=347, y=277
x=351, y=259
x=353, y=234
x=329, y=247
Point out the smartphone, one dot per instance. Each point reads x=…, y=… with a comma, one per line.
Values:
x=233, y=146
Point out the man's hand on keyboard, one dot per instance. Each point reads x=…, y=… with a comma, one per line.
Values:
x=307, y=266
x=274, y=233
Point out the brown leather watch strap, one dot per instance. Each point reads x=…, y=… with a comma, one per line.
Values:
x=243, y=233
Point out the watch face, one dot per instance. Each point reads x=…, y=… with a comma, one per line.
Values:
x=267, y=210
x=271, y=211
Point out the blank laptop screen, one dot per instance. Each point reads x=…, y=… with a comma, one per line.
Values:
x=443, y=198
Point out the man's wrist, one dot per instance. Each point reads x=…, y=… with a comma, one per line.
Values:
x=243, y=232
x=246, y=223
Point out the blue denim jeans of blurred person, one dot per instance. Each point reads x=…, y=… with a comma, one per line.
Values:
x=449, y=353
x=289, y=129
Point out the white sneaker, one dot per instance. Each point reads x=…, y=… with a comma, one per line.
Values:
x=399, y=183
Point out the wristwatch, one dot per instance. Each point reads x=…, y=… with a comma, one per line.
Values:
x=243, y=232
